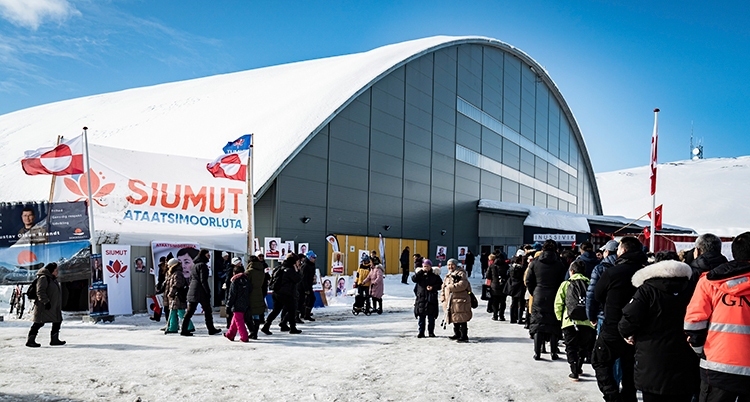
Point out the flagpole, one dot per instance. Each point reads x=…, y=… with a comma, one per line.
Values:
x=654, y=140
x=94, y=249
x=52, y=189
x=250, y=203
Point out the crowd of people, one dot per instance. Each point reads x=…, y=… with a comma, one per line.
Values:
x=675, y=326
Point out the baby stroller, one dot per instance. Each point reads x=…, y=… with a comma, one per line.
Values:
x=361, y=305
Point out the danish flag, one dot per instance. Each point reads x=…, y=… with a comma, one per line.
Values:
x=232, y=166
x=64, y=159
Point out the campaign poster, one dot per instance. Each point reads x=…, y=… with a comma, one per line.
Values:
x=462, y=252
x=341, y=286
x=441, y=251
x=184, y=252
x=303, y=248
x=19, y=264
x=140, y=264
x=43, y=223
x=116, y=261
x=97, y=270
x=155, y=305
x=256, y=245
x=317, y=285
x=273, y=247
x=337, y=262
x=98, y=300
x=328, y=286
x=362, y=254
x=289, y=246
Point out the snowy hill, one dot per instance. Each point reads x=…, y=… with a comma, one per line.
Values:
x=709, y=195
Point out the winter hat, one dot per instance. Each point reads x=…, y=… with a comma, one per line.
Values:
x=366, y=259
x=426, y=262
x=224, y=254
x=236, y=261
x=172, y=262
x=310, y=255
x=538, y=246
x=454, y=261
x=610, y=246
x=259, y=254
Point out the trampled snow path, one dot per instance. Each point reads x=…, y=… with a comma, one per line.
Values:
x=339, y=357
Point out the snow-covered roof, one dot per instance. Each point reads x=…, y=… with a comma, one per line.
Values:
x=561, y=220
x=284, y=106
x=708, y=195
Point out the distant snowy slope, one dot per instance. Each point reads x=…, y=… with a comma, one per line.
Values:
x=709, y=195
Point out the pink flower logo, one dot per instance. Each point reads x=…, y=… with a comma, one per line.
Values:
x=80, y=187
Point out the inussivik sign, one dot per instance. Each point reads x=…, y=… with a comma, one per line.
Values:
x=140, y=196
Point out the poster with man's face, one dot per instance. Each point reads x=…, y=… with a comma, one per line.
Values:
x=289, y=246
x=462, y=252
x=140, y=264
x=273, y=247
x=337, y=262
x=97, y=273
x=303, y=248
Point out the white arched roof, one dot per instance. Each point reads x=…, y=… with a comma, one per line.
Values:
x=284, y=106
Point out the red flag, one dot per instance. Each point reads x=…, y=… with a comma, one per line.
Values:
x=654, y=140
x=657, y=222
x=64, y=159
x=232, y=166
x=647, y=233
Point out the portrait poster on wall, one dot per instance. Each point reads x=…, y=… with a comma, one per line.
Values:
x=303, y=248
x=462, y=252
x=273, y=247
x=97, y=273
x=441, y=251
x=140, y=264
x=98, y=303
x=337, y=262
x=362, y=254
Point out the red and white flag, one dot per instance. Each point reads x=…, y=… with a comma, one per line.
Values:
x=232, y=166
x=654, y=140
x=658, y=220
x=64, y=159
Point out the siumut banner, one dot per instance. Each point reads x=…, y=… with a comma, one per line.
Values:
x=142, y=196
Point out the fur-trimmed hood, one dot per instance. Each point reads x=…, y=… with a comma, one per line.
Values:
x=663, y=269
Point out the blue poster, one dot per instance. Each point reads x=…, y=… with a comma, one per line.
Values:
x=19, y=264
x=43, y=223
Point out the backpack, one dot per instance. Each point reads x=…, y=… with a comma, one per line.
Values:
x=31, y=292
x=575, y=300
x=275, y=282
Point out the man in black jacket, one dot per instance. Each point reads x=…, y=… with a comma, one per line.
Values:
x=405, y=262
x=306, y=295
x=613, y=291
x=426, y=305
x=284, y=291
x=707, y=254
x=199, y=293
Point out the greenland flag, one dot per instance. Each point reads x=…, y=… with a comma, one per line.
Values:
x=232, y=166
x=64, y=159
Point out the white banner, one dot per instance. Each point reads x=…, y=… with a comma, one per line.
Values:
x=139, y=196
x=116, y=260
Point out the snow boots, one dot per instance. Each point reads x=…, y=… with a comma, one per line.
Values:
x=308, y=314
x=55, y=339
x=31, y=340
x=456, y=333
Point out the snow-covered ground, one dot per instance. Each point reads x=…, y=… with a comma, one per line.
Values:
x=339, y=357
x=707, y=195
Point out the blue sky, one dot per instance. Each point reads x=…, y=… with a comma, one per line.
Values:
x=614, y=61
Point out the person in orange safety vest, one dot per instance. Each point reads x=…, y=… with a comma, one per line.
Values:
x=717, y=323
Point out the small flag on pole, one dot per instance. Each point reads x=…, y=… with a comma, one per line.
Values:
x=240, y=144
x=647, y=233
x=64, y=159
x=232, y=166
x=658, y=220
x=654, y=140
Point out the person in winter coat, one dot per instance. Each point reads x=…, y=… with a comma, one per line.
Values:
x=428, y=284
x=404, y=260
x=363, y=289
x=159, y=287
x=516, y=290
x=375, y=279
x=284, y=290
x=706, y=256
x=578, y=334
x=469, y=262
x=666, y=369
x=175, y=296
x=238, y=300
x=47, y=306
x=593, y=310
x=306, y=295
x=613, y=291
x=228, y=274
x=717, y=322
x=546, y=273
x=484, y=261
x=258, y=277
x=497, y=274
x=588, y=257
x=456, y=300
x=199, y=293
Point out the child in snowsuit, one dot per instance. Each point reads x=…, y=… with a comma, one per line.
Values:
x=578, y=334
x=238, y=301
